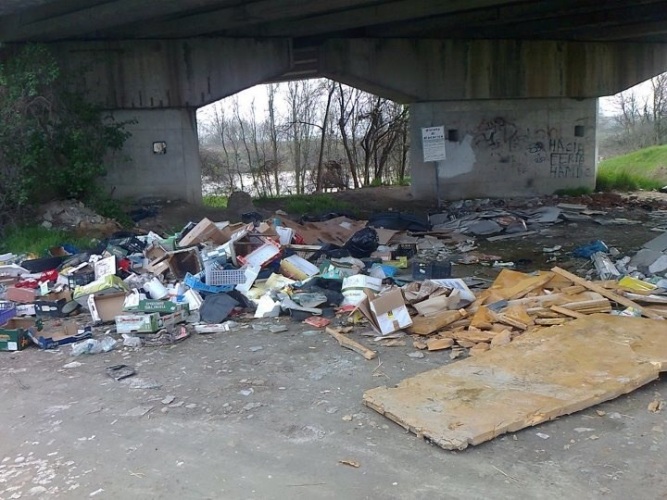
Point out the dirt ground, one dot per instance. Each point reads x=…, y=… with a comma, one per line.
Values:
x=254, y=414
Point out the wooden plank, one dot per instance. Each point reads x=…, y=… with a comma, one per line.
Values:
x=422, y=325
x=539, y=376
x=348, y=343
x=551, y=321
x=439, y=344
x=567, y=312
x=624, y=301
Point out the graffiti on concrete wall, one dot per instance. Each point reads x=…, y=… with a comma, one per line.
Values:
x=524, y=149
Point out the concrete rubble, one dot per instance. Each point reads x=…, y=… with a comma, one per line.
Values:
x=390, y=281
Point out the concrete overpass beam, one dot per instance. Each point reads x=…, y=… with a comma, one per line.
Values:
x=433, y=70
x=505, y=148
x=139, y=74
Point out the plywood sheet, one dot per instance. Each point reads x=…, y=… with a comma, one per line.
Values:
x=543, y=374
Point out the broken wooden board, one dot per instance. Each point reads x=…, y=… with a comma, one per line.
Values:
x=539, y=376
x=606, y=293
x=426, y=325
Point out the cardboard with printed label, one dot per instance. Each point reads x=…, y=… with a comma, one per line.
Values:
x=387, y=312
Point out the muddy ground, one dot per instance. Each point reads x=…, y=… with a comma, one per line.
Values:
x=254, y=414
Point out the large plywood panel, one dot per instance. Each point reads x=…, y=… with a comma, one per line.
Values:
x=538, y=377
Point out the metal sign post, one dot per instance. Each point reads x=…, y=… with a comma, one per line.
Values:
x=433, y=146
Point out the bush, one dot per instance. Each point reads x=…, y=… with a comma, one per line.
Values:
x=52, y=141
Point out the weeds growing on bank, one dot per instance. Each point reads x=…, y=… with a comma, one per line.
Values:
x=620, y=180
x=37, y=240
x=308, y=203
x=215, y=201
x=644, y=169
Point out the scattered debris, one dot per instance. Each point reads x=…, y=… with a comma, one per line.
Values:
x=389, y=278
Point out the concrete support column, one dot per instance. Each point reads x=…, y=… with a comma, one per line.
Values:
x=143, y=169
x=504, y=148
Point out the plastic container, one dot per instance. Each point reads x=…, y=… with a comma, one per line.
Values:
x=431, y=270
x=80, y=279
x=7, y=311
x=217, y=275
x=197, y=284
x=408, y=250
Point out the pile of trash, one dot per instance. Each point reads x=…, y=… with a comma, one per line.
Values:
x=391, y=274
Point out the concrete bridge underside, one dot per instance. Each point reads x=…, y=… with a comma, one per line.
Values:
x=514, y=83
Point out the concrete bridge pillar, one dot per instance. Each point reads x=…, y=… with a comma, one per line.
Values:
x=505, y=148
x=160, y=159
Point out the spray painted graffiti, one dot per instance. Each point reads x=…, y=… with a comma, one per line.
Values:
x=519, y=148
x=498, y=133
x=566, y=159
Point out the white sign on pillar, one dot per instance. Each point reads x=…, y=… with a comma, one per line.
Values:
x=433, y=143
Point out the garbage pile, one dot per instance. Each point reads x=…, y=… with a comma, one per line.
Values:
x=391, y=275
x=154, y=290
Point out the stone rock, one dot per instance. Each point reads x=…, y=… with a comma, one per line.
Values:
x=416, y=354
x=240, y=202
x=659, y=266
x=644, y=258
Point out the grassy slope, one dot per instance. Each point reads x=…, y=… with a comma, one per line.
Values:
x=646, y=169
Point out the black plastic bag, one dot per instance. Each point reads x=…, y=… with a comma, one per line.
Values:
x=363, y=243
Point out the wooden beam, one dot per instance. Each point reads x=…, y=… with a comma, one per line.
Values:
x=606, y=293
x=348, y=343
x=426, y=325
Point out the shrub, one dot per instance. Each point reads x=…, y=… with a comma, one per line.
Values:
x=52, y=141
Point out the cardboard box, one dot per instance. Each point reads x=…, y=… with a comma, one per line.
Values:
x=104, y=286
x=105, y=267
x=298, y=268
x=204, y=231
x=138, y=323
x=15, y=334
x=155, y=252
x=387, y=312
x=104, y=308
x=182, y=262
x=66, y=333
x=51, y=305
x=20, y=295
x=161, y=306
x=169, y=320
x=355, y=287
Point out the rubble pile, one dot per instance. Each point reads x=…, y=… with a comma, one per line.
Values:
x=74, y=215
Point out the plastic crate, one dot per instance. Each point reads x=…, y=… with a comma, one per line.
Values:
x=7, y=311
x=408, y=250
x=80, y=279
x=431, y=270
x=197, y=284
x=217, y=275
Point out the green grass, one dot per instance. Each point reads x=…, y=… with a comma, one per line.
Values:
x=644, y=169
x=110, y=208
x=307, y=203
x=37, y=240
x=215, y=201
